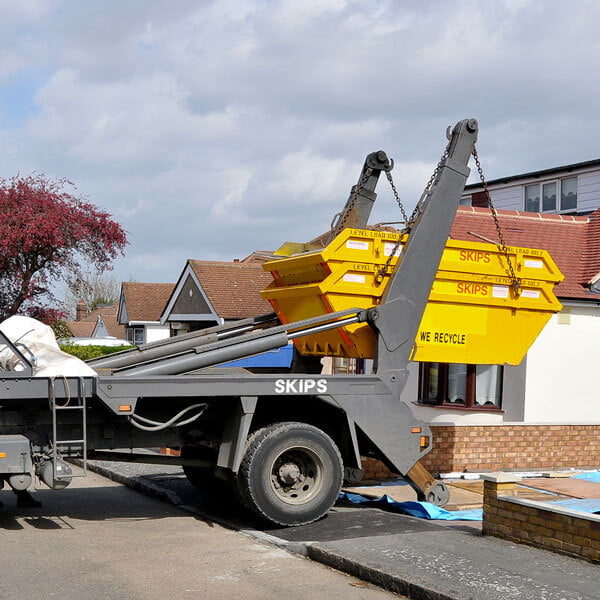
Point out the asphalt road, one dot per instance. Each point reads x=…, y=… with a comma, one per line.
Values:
x=343, y=522
x=423, y=560
x=99, y=539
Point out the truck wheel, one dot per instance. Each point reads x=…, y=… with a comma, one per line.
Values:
x=291, y=473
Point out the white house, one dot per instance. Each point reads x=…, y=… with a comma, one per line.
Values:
x=544, y=413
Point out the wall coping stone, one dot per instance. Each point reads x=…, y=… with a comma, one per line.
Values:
x=515, y=424
x=501, y=477
x=547, y=506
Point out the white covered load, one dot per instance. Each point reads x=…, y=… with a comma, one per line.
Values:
x=38, y=344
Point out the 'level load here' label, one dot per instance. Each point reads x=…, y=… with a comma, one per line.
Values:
x=533, y=264
x=443, y=337
x=354, y=278
x=388, y=248
x=357, y=245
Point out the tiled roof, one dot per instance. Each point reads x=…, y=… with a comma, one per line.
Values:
x=85, y=327
x=233, y=289
x=573, y=242
x=258, y=257
x=81, y=328
x=146, y=301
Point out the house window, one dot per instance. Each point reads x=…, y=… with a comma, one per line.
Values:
x=549, y=194
x=532, y=198
x=135, y=335
x=457, y=385
x=568, y=194
x=348, y=366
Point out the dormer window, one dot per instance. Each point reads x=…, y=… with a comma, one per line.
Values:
x=545, y=197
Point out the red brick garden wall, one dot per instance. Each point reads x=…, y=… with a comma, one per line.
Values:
x=501, y=447
x=539, y=524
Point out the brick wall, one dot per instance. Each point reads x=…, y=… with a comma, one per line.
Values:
x=481, y=447
x=537, y=524
x=508, y=446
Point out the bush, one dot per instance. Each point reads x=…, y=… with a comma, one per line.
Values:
x=89, y=352
x=61, y=329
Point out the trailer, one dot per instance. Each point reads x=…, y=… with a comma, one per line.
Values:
x=283, y=442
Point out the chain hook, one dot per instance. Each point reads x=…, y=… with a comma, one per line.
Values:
x=408, y=221
x=502, y=244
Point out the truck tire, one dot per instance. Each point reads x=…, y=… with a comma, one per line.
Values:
x=291, y=473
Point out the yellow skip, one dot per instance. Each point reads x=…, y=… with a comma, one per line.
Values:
x=473, y=314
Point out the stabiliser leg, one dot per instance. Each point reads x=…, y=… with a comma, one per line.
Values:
x=427, y=488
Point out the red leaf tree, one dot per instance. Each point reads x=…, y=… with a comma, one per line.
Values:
x=46, y=233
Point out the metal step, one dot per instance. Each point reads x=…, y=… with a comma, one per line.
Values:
x=80, y=405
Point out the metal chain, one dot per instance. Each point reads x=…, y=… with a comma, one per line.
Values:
x=383, y=271
x=388, y=174
x=502, y=245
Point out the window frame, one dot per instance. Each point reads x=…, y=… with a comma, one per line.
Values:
x=441, y=401
x=531, y=185
x=130, y=335
x=558, y=209
x=560, y=194
x=557, y=183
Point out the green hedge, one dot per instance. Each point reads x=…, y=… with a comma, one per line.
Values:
x=88, y=352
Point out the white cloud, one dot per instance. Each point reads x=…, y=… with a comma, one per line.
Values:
x=210, y=129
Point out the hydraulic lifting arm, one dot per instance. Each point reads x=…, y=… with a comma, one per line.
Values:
x=399, y=315
x=358, y=207
x=396, y=320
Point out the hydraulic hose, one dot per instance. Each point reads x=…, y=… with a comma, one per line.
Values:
x=172, y=422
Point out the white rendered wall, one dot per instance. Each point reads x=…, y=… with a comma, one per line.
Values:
x=563, y=366
x=156, y=332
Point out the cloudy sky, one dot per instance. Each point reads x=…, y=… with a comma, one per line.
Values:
x=209, y=129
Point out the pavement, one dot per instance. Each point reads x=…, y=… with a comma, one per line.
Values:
x=419, y=559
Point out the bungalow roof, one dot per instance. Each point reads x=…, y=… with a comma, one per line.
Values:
x=85, y=327
x=573, y=242
x=144, y=301
x=233, y=288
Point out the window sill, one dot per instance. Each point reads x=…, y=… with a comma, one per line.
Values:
x=487, y=409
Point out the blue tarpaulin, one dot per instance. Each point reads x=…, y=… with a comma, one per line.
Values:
x=595, y=477
x=423, y=510
x=426, y=510
x=280, y=357
x=588, y=505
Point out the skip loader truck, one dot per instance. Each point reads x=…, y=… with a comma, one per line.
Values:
x=286, y=442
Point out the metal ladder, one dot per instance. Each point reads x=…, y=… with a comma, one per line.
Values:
x=78, y=405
